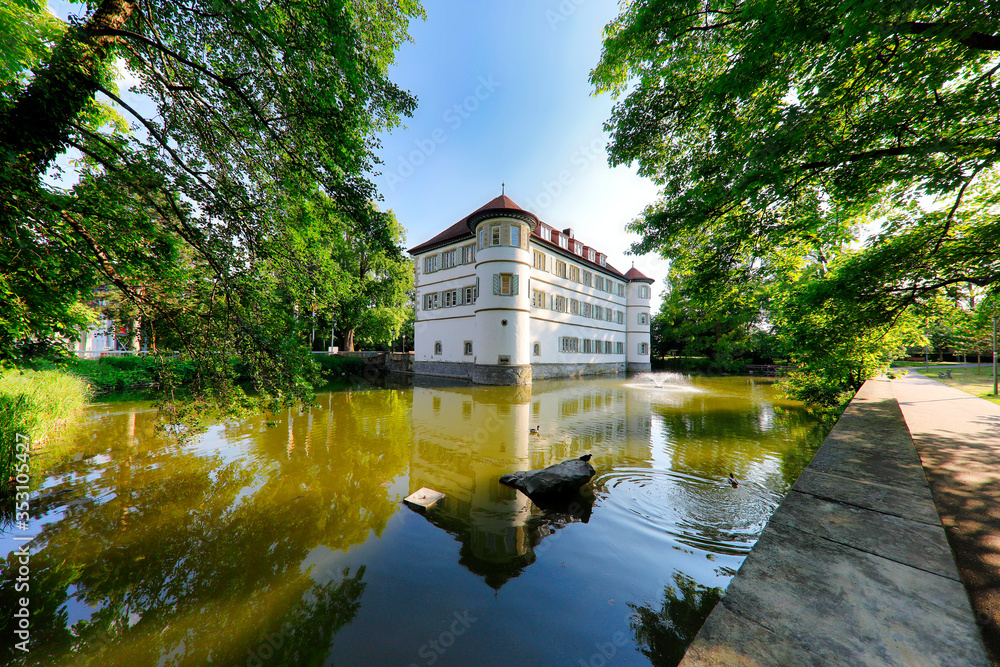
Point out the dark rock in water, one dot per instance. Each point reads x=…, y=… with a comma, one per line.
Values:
x=561, y=478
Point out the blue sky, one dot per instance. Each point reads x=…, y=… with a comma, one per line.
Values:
x=503, y=95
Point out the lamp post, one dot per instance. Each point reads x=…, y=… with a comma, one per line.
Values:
x=995, y=356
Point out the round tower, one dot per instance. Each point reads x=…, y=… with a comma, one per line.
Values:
x=637, y=347
x=502, y=351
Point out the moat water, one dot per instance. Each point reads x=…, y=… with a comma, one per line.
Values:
x=288, y=544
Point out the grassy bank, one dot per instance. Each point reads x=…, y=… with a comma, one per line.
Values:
x=33, y=404
x=136, y=371
x=931, y=364
x=332, y=368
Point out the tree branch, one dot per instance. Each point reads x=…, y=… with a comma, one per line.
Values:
x=937, y=147
x=957, y=32
x=958, y=201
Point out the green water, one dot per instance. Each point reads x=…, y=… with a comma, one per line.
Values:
x=288, y=545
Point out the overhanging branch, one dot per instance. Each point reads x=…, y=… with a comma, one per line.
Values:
x=956, y=32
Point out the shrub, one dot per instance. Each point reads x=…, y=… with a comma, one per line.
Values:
x=698, y=365
x=121, y=372
x=816, y=388
x=331, y=367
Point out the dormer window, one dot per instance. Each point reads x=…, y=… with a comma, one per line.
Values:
x=563, y=241
x=604, y=260
x=546, y=233
x=590, y=255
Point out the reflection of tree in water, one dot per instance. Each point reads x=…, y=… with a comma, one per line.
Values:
x=735, y=434
x=664, y=635
x=811, y=428
x=187, y=559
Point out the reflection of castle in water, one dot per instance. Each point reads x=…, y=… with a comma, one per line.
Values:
x=465, y=438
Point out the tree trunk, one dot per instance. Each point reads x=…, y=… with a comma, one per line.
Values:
x=349, y=341
x=35, y=130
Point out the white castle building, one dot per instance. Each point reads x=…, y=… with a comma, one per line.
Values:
x=503, y=298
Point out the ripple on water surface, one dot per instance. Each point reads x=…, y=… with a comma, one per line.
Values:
x=699, y=512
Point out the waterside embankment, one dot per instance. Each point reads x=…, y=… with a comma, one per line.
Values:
x=854, y=567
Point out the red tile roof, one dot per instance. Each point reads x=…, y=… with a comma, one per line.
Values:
x=503, y=201
x=635, y=275
x=457, y=232
x=537, y=238
x=460, y=231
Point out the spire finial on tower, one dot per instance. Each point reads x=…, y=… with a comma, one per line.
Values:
x=503, y=187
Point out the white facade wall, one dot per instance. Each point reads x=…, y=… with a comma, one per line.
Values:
x=638, y=334
x=549, y=325
x=449, y=325
x=451, y=334
x=92, y=344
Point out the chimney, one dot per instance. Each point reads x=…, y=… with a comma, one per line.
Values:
x=568, y=232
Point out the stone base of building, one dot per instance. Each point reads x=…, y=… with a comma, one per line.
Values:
x=546, y=371
x=476, y=373
x=518, y=375
x=501, y=375
x=444, y=369
x=635, y=367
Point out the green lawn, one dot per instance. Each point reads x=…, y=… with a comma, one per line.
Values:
x=933, y=364
x=967, y=380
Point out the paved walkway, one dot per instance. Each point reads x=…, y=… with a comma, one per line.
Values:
x=854, y=567
x=958, y=438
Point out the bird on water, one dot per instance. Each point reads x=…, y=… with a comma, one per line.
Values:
x=586, y=457
x=732, y=480
x=536, y=430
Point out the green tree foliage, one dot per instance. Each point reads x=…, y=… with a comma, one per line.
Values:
x=238, y=108
x=378, y=303
x=834, y=348
x=27, y=32
x=785, y=308
x=978, y=326
x=356, y=272
x=724, y=321
x=777, y=130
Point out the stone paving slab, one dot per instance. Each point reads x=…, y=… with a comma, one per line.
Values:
x=853, y=568
x=919, y=545
x=870, y=443
x=915, y=503
x=728, y=639
x=838, y=602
